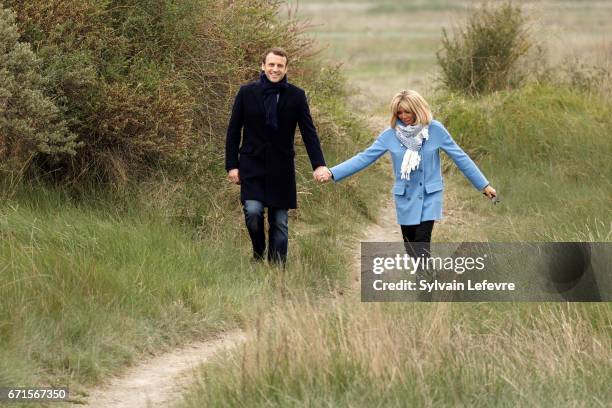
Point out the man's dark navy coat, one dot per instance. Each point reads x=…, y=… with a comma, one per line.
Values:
x=265, y=158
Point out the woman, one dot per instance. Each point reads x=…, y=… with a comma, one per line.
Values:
x=414, y=140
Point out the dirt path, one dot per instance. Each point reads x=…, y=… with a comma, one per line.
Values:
x=161, y=380
x=386, y=228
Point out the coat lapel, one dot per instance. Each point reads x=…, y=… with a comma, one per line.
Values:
x=259, y=98
x=282, y=100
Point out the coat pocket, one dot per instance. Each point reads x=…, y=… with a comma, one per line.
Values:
x=246, y=150
x=399, y=189
x=434, y=186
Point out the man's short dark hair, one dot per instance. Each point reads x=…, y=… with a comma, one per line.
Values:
x=276, y=51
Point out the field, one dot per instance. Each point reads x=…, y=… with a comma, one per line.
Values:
x=94, y=281
x=385, y=46
x=351, y=354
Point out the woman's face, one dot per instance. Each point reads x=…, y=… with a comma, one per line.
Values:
x=407, y=118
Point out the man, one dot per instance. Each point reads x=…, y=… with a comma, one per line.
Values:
x=264, y=117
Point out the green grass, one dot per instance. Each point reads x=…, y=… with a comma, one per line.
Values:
x=91, y=282
x=86, y=289
x=545, y=148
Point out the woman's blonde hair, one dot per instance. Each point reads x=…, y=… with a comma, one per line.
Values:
x=410, y=101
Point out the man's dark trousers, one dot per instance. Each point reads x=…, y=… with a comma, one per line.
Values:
x=278, y=233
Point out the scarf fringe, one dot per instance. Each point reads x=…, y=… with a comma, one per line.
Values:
x=410, y=162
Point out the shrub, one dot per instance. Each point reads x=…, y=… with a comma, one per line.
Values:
x=31, y=125
x=484, y=55
x=148, y=84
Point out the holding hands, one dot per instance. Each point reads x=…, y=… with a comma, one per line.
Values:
x=322, y=174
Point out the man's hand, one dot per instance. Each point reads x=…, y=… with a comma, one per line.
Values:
x=489, y=191
x=233, y=176
x=322, y=174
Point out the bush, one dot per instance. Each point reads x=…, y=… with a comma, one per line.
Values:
x=484, y=56
x=31, y=125
x=147, y=85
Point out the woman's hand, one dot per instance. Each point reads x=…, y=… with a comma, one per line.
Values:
x=489, y=191
x=322, y=174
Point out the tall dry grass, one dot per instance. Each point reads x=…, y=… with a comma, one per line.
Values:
x=352, y=354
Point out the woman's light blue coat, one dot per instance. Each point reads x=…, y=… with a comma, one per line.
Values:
x=420, y=198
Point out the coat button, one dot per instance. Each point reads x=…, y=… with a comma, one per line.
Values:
x=420, y=184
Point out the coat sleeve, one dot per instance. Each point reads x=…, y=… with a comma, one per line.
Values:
x=360, y=161
x=234, y=133
x=462, y=160
x=309, y=135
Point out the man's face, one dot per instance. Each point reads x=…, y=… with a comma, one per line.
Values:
x=275, y=67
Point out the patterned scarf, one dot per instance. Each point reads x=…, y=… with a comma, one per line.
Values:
x=271, y=93
x=411, y=137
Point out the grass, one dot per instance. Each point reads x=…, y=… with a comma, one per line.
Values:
x=398, y=355
x=87, y=289
x=545, y=149
x=356, y=32
x=92, y=282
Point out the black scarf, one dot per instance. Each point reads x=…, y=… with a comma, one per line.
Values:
x=271, y=91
